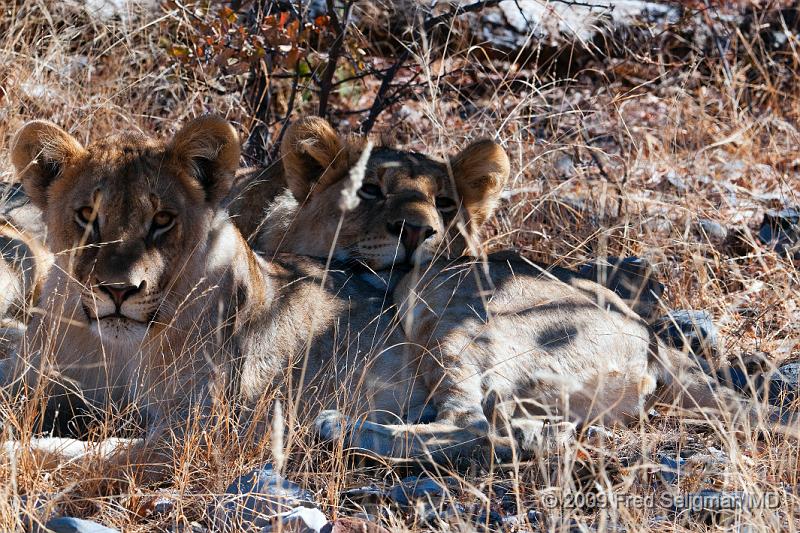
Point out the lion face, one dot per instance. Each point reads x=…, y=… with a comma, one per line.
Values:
x=411, y=207
x=407, y=206
x=129, y=216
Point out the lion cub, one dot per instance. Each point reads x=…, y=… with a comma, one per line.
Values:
x=24, y=260
x=503, y=345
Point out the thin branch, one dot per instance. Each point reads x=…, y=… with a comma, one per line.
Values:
x=361, y=75
x=340, y=27
x=379, y=104
x=261, y=102
x=458, y=11
x=273, y=155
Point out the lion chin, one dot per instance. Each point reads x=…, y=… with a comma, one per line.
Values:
x=119, y=330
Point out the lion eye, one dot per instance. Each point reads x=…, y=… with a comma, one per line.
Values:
x=163, y=221
x=370, y=191
x=445, y=204
x=85, y=216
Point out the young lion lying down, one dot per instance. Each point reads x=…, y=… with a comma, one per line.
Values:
x=500, y=343
x=156, y=301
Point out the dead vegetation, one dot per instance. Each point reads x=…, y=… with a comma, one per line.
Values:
x=668, y=144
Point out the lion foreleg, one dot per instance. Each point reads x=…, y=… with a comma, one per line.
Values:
x=432, y=442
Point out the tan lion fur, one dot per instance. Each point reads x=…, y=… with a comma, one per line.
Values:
x=523, y=355
x=25, y=262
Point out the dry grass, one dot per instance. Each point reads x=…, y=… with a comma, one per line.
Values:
x=620, y=158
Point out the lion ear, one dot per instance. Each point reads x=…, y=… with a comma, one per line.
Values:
x=480, y=170
x=209, y=147
x=310, y=149
x=39, y=152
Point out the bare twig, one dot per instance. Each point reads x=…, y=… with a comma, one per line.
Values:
x=340, y=27
x=380, y=101
x=273, y=155
x=261, y=100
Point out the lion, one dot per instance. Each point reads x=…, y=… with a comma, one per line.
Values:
x=25, y=258
x=24, y=262
x=503, y=346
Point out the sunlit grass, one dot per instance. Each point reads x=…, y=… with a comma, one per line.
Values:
x=622, y=164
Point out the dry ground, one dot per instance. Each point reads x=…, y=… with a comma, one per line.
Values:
x=623, y=156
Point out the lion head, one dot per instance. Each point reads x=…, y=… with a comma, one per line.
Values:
x=134, y=222
x=411, y=207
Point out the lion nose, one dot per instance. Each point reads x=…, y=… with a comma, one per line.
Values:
x=410, y=235
x=119, y=293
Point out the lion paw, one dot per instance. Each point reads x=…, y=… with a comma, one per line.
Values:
x=330, y=425
x=543, y=438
